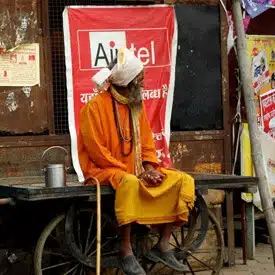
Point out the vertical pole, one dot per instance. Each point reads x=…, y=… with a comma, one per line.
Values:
x=244, y=228
x=257, y=155
x=250, y=231
x=230, y=227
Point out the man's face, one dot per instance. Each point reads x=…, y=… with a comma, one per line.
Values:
x=140, y=79
x=135, y=89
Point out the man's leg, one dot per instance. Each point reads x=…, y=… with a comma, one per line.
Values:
x=165, y=234
x=125, y=242
x=163, y=253
x=128, y=262
x=125, y=207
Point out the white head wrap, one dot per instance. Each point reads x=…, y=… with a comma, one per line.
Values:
x=100, y=77
x=127, y=68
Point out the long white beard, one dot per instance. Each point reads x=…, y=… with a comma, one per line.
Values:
x=135, y=97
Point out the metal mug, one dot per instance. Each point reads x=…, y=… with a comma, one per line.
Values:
x=55, y=174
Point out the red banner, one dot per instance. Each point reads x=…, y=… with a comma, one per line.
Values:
x=92, y=36
x=267, y=103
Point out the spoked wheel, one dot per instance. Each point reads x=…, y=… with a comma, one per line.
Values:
x=81, y=229
x=52, y=256
x=140, y=245
x=199, y=244
x=208, y=258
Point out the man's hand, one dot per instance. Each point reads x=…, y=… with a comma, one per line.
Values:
x=152, y=177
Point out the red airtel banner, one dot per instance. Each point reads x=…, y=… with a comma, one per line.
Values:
x=92, y=36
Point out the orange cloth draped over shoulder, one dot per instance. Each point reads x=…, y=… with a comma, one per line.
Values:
x=100, y=156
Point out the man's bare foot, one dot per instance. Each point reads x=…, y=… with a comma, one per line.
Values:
x=125, y=250
x=163, y=245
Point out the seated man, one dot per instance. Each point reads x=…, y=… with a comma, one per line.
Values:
x=116, y=145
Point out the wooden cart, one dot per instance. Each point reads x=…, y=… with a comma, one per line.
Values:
x=67, y=244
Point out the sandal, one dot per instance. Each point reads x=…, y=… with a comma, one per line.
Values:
x=168, y=258
x=130, y=266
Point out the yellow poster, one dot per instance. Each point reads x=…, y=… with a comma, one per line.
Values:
x=268, y=150
x=261, y=53
x=246, y=159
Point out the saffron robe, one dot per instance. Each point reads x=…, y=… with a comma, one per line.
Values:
x=100, y=156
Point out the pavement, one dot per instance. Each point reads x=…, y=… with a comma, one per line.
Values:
x=262, y=265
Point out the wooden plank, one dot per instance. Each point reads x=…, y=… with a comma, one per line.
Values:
x=230, y=228
x=227, y=144
x=25, y=161
x=46, y=67
x=23, y=109
x=202, y=176
x=209, y=181
x=34, y=141
x=197, y=136
x=207, y=2
x=201, y=152
x=33, y=188
x=28, y=112
x=199, y=178
x=34, y=194
x=26, y=181
x=250, y=231
x=244, y=227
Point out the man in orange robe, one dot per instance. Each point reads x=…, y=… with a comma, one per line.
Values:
x=116, y=145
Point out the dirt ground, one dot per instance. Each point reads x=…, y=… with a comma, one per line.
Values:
x=262, y=265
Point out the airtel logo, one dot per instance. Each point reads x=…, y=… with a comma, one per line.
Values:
x=104, y=47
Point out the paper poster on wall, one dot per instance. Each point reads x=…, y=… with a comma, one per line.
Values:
x=246, y=159
x=268, y=147
x=267, y=105
x=256, y=7
x=91, y=42
x=20, y=67
x=261, y=53
x=268, y=150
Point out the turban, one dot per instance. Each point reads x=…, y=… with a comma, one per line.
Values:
x=127, y=68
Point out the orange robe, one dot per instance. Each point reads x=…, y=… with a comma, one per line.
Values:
x=99, y=148
x=100, y=156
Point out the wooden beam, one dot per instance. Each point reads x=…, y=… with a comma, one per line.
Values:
x=250, y=231
x=230, y=227
x=254, y=132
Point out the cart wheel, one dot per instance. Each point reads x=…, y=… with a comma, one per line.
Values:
x=191, y=243
x=80, y=230
x=52, y=256
x=209, y=257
